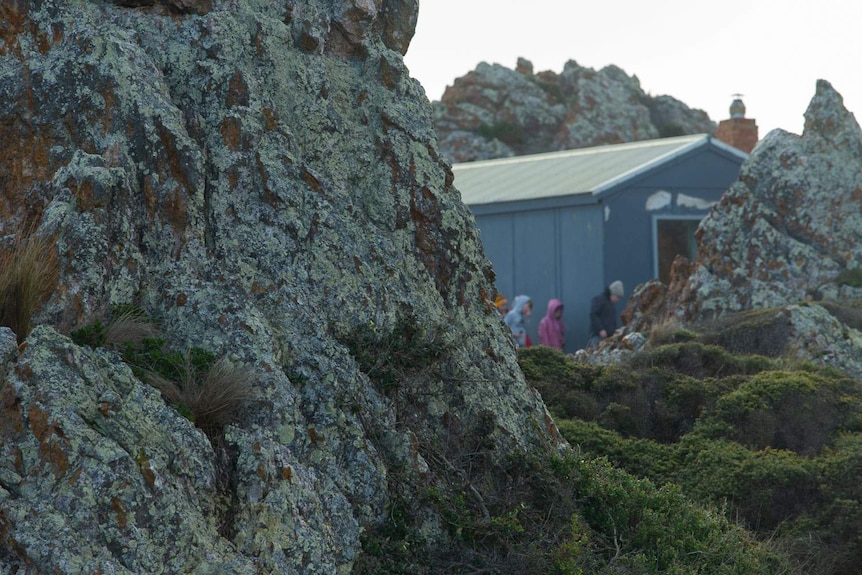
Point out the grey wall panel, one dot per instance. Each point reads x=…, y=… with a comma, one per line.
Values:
x=581, y=269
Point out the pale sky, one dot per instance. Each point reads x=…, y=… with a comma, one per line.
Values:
x=770, y=51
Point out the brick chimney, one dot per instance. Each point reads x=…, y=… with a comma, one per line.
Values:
x=738, y=131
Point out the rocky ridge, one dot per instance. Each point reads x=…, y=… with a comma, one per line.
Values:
x=495, y=112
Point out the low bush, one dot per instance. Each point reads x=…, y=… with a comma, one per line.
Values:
x=847, y=312
x=699, y=360
x=800, y=411
x=764, y=332
x=852, y=278
x=507, y=132
x=643, y=528
x=389, y=355
x=772, y=443
x=209, y=393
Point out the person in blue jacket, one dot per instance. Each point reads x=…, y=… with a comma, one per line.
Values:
x=517, y=318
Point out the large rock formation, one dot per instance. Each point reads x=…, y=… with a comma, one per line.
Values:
x=262, y=177
x=787, y=234
x=495, y=112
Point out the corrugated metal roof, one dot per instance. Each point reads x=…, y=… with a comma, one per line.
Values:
x=570, y=172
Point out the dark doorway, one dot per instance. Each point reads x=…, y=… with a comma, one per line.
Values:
x=674, y=237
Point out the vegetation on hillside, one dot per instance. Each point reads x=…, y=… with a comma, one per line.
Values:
x=769, y=443
x=479, y=510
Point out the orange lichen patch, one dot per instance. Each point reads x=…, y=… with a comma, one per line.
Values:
x=13, y=17
x=148, y=474
x=261, y=471
x=117, y=506
x=105, y=408
x=237, y=91
x=551, y=427
x=150, y=199
x=287, y=473
x=39, y=423
x=310, y=179
x=270, y=121
x=11, y=418
x=182, y=299
x=176, y=210
x=231, y=132
x=73, y=479
x=110, y=105
x=315, y=436
x=258, y=288
x=268, y=196
x=24, y=161
x=232, y=174
x=176, y=162
x=24, y=371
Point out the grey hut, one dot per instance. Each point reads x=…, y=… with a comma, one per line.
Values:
x=566, y=224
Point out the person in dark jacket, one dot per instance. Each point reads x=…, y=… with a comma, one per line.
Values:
x=603, y=313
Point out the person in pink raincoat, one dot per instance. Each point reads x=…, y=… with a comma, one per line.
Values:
x=552, y=332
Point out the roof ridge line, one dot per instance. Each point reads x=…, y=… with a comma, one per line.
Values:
x=578, y=151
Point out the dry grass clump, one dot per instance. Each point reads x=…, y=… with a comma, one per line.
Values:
x=131, y=327
x=28, y=276
x=670, y=330
x=212, y=400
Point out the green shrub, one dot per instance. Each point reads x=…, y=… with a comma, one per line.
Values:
x=388, y=356
x=507, y=132
x=699, y=360
x=640, y=457
x=852, y=278
x=564, y=384
x=128, y=327
x=796, y=410
x=763, y=332
x=764, y=488
x=647, y=529
x=209, y=393
x=847, y=312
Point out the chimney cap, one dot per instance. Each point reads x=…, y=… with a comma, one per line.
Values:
x=737, y=108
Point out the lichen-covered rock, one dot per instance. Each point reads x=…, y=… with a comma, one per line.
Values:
x=791, y=224
x=262, y=177
x=789, y=231
x=495, y=112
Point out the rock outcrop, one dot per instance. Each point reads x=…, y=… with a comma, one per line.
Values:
x=495, y=112
x=262, y=177
x=787, y=234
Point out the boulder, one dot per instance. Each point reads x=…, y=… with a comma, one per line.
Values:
x=262, y=179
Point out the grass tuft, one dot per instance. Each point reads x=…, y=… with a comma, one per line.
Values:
x=211, y=400
x=129, y=327
x=28, y=276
